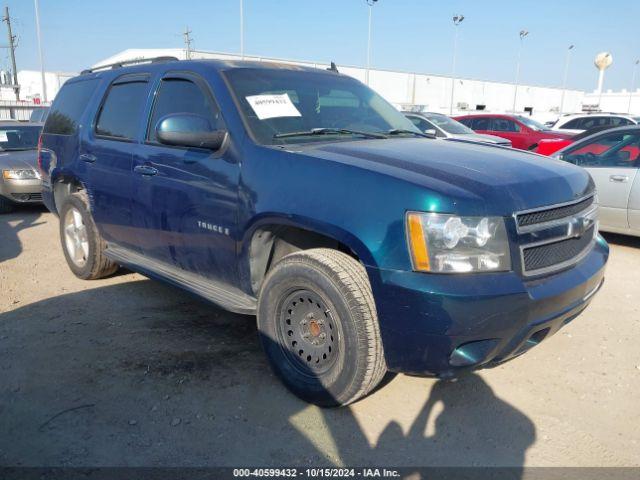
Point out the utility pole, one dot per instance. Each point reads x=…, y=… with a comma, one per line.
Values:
x=564, y=78
x=370, y=3
x=523, y=33
x=44, y=82
x=187, y=43
x=457, y=20
x=12, y=49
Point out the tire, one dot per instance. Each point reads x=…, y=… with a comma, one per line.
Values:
x=83, y=247
x=6, y=206
x=319, y=328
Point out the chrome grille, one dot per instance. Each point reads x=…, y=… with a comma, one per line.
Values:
x=556, y=237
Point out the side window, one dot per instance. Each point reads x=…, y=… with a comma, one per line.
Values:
x=612, y=150
x=619, y=121
x=120, y=114
x=69, y=106
x=467, y=121
x=421, y=124
x=575, y=124
x=595, y=122
x=178, y=95
x=481, y=124
x=504, y=125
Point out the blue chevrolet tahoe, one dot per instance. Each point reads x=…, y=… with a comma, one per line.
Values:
x=301, y=196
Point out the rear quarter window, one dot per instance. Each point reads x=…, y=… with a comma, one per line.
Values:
x=68, y=107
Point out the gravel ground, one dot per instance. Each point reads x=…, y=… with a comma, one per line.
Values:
x=127, y=371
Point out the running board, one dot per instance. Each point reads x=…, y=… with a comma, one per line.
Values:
x=229, y=298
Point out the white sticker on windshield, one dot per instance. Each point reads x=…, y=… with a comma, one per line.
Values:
x=3, y=136
x=273, y=106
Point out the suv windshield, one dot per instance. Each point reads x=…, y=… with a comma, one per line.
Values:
x=19, y=137
x=275, y=103
x=449, y=125
x=532, y=124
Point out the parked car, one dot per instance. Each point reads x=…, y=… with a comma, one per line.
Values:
x=20, y=182
x=39, y=114
x=523, y=132
x=445, y=127
x=579, y=123
x=302, y=196
x=548, y=146
x=612, y=158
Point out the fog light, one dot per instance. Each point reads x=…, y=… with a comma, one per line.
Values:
x=472, y=353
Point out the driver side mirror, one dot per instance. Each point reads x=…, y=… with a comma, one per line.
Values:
x=189, y=130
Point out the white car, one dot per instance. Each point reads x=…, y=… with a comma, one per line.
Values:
x=581, y=122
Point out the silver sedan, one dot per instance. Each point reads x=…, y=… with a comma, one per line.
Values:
x=612, y=157
x=20, y=181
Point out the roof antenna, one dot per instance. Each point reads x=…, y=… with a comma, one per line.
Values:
x=333, y=68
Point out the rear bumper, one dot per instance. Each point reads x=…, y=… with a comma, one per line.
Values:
x=443, y=324
x=22, y=191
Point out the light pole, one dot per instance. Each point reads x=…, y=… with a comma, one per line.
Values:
x=457, y=20
x=564, y=78
x=370, y=3
x=523, y=33
x=633, y=84
x=44, y=83
x=242, y=29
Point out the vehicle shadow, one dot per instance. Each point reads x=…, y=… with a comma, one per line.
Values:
x=142, y=374
x=27, y=217
x=623, y=240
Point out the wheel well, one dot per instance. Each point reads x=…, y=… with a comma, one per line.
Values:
x=272, y=242
x=64, y=188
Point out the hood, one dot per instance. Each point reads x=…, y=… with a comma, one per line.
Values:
x=474, y=177
x=482, y=138
x=19, y=159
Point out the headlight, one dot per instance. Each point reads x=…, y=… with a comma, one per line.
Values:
x=442, y=243
x=20, y=174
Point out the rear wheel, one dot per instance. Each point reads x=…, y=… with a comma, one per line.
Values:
x=6, y=206
x=319, y=328
x=82, y=244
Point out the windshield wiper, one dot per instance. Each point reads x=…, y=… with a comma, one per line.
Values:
x=400, y=131
x=329, y=131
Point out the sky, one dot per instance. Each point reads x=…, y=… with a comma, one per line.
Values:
x=407, y=35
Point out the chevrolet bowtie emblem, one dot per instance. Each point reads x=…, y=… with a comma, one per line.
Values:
x=578, y=226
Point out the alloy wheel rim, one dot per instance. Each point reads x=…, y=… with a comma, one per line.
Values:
x=76, y=238
x=309, y=333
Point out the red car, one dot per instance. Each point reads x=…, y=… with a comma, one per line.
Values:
x=549, y=146
x=524, y=132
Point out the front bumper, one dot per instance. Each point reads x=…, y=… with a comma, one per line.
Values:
x=22, y=191
x=484, y=318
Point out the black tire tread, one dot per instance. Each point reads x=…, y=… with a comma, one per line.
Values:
x=349, y=275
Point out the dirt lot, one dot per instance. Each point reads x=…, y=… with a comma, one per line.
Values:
x=128, y=371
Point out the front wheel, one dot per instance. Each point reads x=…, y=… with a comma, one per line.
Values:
x=319, y=328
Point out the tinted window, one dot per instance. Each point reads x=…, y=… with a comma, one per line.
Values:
x=182, y=96
x=421, y=123
x=120, y=114
x=617, y=149
x=619, y=122
x=19, y=138
x=68, y=107
x=575, y=124
x=504, y=125
x=594, y=122
x=481, y=124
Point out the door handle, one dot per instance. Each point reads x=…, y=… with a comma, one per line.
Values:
x=147, y=170
x=87, y=157
x=619, y=178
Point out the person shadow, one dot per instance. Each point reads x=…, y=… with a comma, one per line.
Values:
x=170, y=381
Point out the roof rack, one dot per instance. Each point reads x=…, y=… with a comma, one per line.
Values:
x=128, y=63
